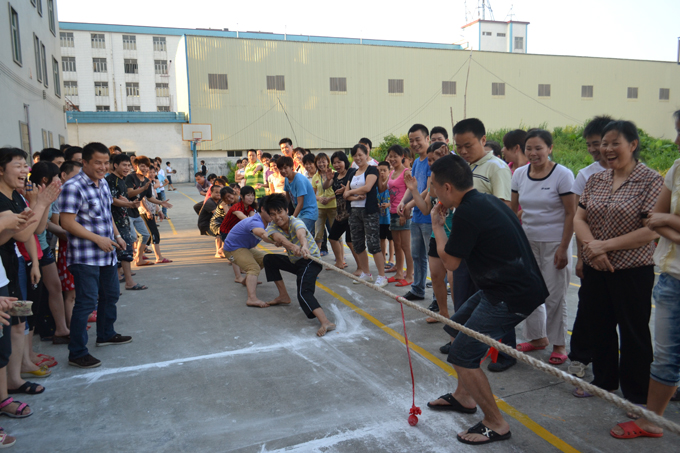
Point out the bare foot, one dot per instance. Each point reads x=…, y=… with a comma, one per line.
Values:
x=279, y=301
x=357, y=272
x=257, y=303
x=431, y=320
x=338, y=265
x=327, y=327
x=241, y=281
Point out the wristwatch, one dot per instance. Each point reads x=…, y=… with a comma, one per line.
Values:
x=117, y=236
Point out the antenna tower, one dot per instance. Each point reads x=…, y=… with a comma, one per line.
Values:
x=484, y=7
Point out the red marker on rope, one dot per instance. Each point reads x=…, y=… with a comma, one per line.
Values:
x=415, y=410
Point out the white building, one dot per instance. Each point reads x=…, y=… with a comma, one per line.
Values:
x=496, y=36
x=118, y=68
x=31, y=97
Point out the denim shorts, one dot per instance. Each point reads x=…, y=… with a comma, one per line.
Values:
x=478, y=314
x=394, y=223
x=666, y=366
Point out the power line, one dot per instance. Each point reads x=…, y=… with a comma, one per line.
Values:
x=291, y=124
x=243, y=129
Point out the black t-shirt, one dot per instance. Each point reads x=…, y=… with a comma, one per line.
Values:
x=118, y=187
x=203, y=169
x=7, y=251
x=343, y=206
x=488, y=236
x=132, y=181
x=206, y=213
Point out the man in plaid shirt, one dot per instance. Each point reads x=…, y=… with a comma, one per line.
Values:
x=85, y=205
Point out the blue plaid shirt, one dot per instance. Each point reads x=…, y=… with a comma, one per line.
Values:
x=92, y=207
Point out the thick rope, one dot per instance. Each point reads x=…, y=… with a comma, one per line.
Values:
x=546, y=368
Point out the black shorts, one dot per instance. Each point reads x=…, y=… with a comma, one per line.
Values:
x=47, y=258
x=433, y=249
x=338, y=229
x=385, y=232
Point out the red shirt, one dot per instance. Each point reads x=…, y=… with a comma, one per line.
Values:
x=230, y=219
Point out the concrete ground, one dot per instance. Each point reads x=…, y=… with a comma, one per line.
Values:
x=207, y=373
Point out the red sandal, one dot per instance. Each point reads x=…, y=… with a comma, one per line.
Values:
x=631, y=430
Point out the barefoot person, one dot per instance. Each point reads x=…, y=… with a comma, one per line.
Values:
x=488, y=235
x=297, y=240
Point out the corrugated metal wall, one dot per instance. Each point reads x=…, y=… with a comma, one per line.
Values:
x=247, y=115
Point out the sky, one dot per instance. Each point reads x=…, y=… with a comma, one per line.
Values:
x=631, y=29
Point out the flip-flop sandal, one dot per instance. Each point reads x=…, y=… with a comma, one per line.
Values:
x=18, y=413
x=454, y=405
x=631, y=430
x=6, y=440
x=92, y=317
x=165, y=260
x=121, y=280
x=585, y=394
x=528, y=347
x=403, y=283
x=43, y=372
x=29, y=388
x=490, y=434
x=137, y=287
x=146, y=263
x=557, y=359
x=49, y=363
x=390, y=270
x=393, y=279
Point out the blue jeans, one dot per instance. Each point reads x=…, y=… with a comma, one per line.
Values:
x=311, y=226
x=420, y=243
x=161, y=197
x=666, y=366
x=92, y=282
x=141, y=229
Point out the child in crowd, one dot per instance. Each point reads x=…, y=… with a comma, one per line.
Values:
x=386, y=243
x=227, y=199
x=237, y=212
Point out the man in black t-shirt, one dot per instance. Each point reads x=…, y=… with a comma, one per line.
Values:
x=488, y=236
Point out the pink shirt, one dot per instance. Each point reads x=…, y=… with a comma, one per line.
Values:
x=397, y=189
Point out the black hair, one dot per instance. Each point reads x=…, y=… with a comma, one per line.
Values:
x=676, y=115
x=434, y=146
x=542, y=134
x=495, y=148
x=198, y=173
x=286, y=140
x=251, y=150
x=321, y=156
x=439, y=130
x=49, y=154
x=299, y=149
x=454, y=170
x=69, y=153
x=358, y=147
x=64, y=147
x=629, y=131
x=245, y=190
x=365, y=141
x=226, y=190
x=119, y=158
x=221, y=180
x=342, y=157
x=284, y=161
x=68, y=166
x=202, y=162
x=421, y=128
x=274, y=203
x=309, y=158
x=36, y=154
x=211, y=176
x=596, y=126
x=266, y=156
x=90, y=149
x=384, y=164
x=275, y=157
x=473, y=125
x=398, y=150
x=43, y=170
x=7, y=155
x=514, y=138
x=167, y=163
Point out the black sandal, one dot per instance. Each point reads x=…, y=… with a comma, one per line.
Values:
x=490, y=434
x=454, y=406
x=29, y=388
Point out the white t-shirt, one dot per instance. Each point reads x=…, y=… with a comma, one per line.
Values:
x=541, y=201
x=161, y=172
x=667, y=255
x=583, y=175
x=168, y=170
x=4, y=281
x=358, y=181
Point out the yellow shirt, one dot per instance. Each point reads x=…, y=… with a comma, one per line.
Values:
x=317, y=183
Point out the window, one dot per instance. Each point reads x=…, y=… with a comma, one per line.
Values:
x=25, y=137
x=50, y=15
x=544, y=90
x=129, y=42
x=98, y=41
x=395, y=85
x=519, y=42
x=500, y=35
x=133, y=108
x=163, y=108
x=339, y=84
x=586, y=91
x=159, y=44
x=486, y=33
x=40, y=7
x=55, y=72
x=38, y=64
x=632, y=93
x=62, y=140
x=99, y=64
x=103, y=108
x=70, y=88
x=217, y=82
x=131, y=66
x=234, y=153
x=68, y=64
x=132, y=89
x=101, y=88
x=43, y=57
x=50, y=139
x=161, y=66
x=497, y=89
x=66, y=39
x=44, y=137
x=448, y=88
x=14, y=29
x=277, y=83
x=664, y=94
x=162, y=90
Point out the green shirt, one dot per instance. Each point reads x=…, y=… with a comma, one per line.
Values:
x=255, y=177
x=291, y=235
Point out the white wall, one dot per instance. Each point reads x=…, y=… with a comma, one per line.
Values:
x=494, y=43
x=22, y=97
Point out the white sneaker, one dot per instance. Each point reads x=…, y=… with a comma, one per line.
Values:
x=365, y=277
x=578, y=369
x=381, y=281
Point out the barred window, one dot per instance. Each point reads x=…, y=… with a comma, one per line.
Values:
x=544, y=90
x=163, y=108
x=162, y=90
x=218, y=82
x=159, y=44
x=395, y=86
x=486, y=33
x=98, y=41
x=134, y=108
x=131, y=66
x=586, y=91
x=43, y=56
x=55, y=74
x=277, y=83
x=497, y=89
x=161, y=66
x=339, y=84
x=99, y=64
x=68, y=64
x=664, y=94
x=448, y=88
x=101, y=88
x=132, y=89
x=71, y=88
x=519, y=43
x=14, y=30
x=129, y=42
x=50, y=15
x=500, y=35
x=103, y=108
x=38, y=64
x=66, y=39
x=632, y=93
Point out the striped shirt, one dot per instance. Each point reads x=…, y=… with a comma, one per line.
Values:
x=92, y=206
x=293, y=226
x=254, y=177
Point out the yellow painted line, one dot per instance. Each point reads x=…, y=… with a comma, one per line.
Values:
x=372, y=257
x=574, y=284
x=188, y=197
x=174, y=231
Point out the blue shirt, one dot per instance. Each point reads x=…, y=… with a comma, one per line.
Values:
x=301, y=187
x=384, y=197
x=421, y=171
x=241, y=236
